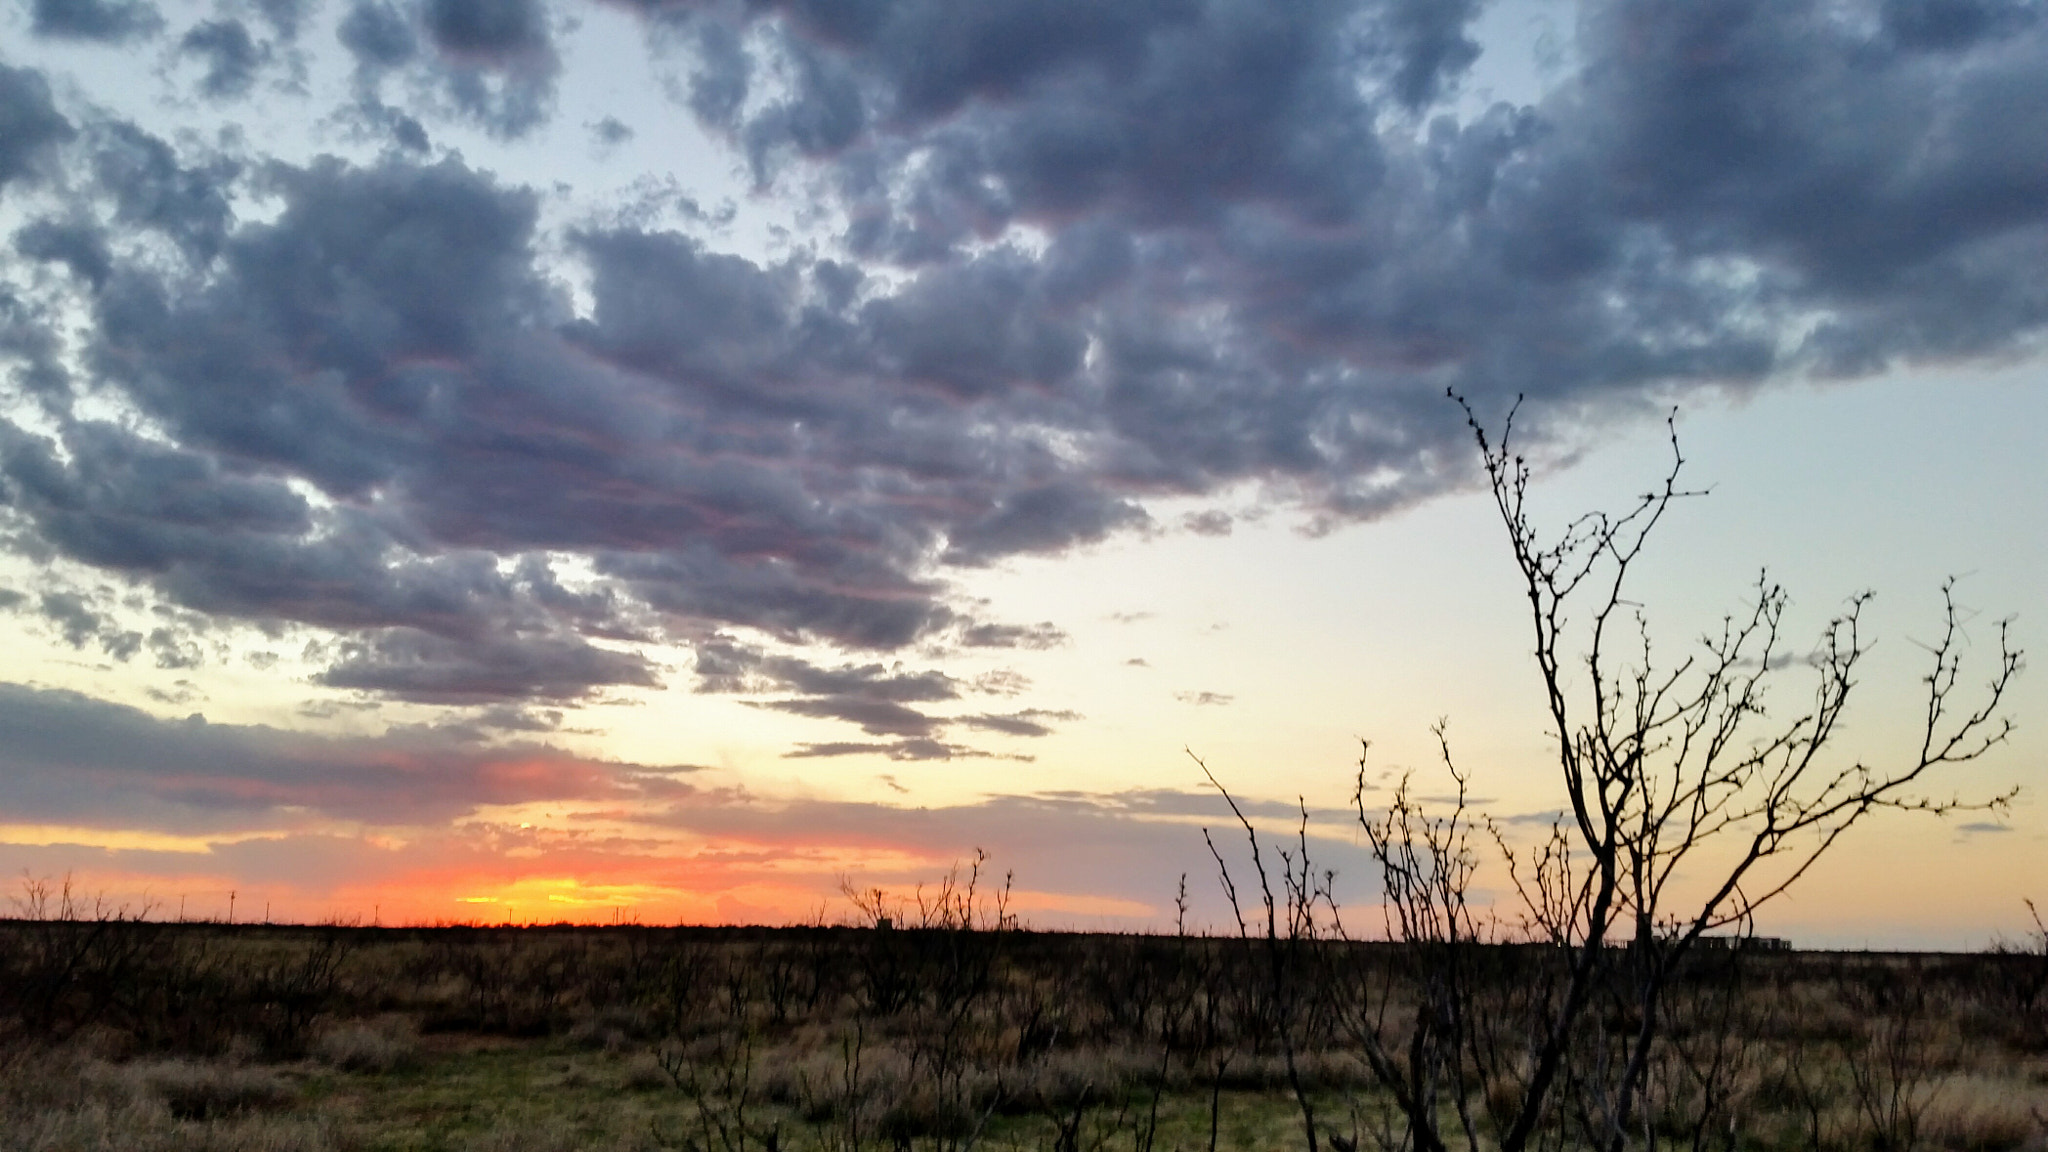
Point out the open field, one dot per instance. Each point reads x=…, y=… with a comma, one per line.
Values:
x=130, y=1035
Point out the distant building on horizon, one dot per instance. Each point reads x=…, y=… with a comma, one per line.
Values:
x=1746, y=943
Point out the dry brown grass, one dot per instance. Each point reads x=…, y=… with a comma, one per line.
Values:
x=1984, y=1112
x=507, y=1040
x=386, y=1044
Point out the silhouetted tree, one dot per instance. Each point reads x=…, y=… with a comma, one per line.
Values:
x=1670, y=769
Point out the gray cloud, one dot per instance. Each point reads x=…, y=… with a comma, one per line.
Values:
x=1044, y=634
x=1044, y=518
x=499, y=31
x=30, y=125
x=909, y=748
x=879, y=700
x=81, y=247
x=285, y=17
x=869, y=681
x=1093, y=256
x=876, y=699
x=73, y=759
x=151, y=189
x=1362, y=271
x=498, y=61
x=875, y=717
x=1029, y=722
x=29, y=336
x=378, y=35
x=1090, y=846
x=173, y=649
x=231, y=56
x=491, y=62
x=108, y=21
x=73, y=618
x=414, y=665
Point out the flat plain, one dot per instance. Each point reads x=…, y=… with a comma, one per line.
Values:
x=123, y=1034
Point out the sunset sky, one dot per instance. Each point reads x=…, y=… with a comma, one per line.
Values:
x=529, y=460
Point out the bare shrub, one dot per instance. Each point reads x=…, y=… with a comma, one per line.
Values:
x=1691, y=800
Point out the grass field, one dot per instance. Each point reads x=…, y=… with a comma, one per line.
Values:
x=129, y=1035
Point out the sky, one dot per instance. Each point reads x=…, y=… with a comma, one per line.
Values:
x=517, y=460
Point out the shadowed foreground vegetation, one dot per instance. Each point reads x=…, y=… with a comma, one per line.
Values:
x=962, y=1032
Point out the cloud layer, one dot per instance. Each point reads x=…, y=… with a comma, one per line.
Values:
x=1074, y=258
x=332, y=826
x=71, y=760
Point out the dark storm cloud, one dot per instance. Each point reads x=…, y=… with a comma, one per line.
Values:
x=230, y=54
x=108, y=21
x=30, y=125
x=73, y=759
